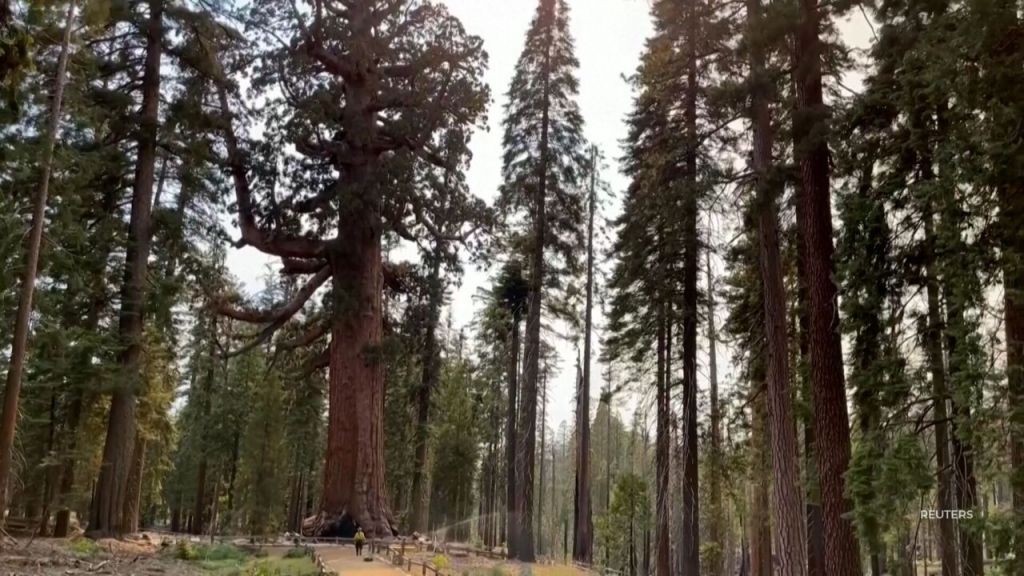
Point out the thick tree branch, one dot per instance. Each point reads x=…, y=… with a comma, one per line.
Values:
x=293, y=266
x=270, y=243
x=284, y=312
x=318, y=330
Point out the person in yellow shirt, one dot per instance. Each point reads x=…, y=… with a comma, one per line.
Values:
x=360, y=540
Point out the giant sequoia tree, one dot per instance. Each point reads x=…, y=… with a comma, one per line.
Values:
x=368, y=91
x=542, y=171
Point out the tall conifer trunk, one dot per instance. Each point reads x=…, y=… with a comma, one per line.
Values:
x=527, y=427
x=108, y=504
x=690, y=546
x=583, y=544
x=972, y=561
x=511, y=438
x=716, y=517
x=1011, y=215
x=828, y=390
x=760, y=531
x=788, y=501
x=940, y=392
x=420, y=492
x=662, y=457
x=19, y=344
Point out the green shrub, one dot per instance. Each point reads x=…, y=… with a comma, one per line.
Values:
x=184, y=550
x=440, y=562
x=220, y=552
x=83, y=547
x=295, y=553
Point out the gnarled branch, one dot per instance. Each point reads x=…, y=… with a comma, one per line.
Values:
x=273, y=243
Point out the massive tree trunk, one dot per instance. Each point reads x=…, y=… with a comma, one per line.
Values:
x=787, y=501
x=662, y=457
x=354, y=493
x=19, y=344
x=431, y=372
x=583, y=542
x=831, y=418
x=112, y=485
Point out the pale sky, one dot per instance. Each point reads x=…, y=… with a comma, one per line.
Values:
x=609, y=36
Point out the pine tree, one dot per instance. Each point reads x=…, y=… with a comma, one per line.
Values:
x=583, y=524
x=12, y=388
x=831, y=417
x=787, y=500
x=543, y=160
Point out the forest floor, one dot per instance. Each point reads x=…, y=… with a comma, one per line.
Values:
x=53, y=557
x=473, y=565
x=142, y=556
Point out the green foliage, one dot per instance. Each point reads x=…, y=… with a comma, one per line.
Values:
x=628, y=517
x=440, y=561
x=184, y=550
x=83, y=547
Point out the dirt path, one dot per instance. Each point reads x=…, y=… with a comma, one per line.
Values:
x=343, y=560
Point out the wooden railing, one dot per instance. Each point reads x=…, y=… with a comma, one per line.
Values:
x=399, y=559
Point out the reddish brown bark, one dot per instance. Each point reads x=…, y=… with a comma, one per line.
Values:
x=828, y=391
x=788, y=498
x=354, y=492
x=760, y=501
x=106, y=515
x=133, y=497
